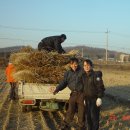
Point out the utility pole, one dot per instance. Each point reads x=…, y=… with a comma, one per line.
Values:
x=82, y=53
x=106, y=45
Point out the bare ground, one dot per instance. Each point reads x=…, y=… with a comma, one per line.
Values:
x=113, y=115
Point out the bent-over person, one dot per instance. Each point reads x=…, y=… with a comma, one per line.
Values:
x=52, y=43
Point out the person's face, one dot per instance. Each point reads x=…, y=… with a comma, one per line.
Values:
x=74, y=66
x=87, y=67
x=62, y=39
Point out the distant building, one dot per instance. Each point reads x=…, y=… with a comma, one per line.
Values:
x=124, y=58
x=111, y=59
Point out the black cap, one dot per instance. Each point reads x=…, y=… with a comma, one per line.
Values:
x=63, y=36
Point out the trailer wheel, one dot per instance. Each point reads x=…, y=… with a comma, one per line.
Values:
x=29, y=108
x=24, y=108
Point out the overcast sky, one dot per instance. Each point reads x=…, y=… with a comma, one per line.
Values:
x=85, y=22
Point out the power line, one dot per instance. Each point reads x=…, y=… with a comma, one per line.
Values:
x=46, y=30
x=88, y=43
x=120, y=34
x=56, y=30
x=25, y=40
x=5, y=38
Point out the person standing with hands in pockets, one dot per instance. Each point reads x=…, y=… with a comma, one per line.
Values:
x=93, y=92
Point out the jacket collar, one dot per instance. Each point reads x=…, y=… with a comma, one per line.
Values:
x=89, y=73
x=78, y=68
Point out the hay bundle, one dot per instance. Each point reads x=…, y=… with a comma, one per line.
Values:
x=24, y=75
x=73, y=52
x=26, y=49
x=17, y=58
x=39, y=66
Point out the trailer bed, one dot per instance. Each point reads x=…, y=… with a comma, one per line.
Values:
x=41, y=91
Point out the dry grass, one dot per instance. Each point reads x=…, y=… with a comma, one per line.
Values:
x=40, y=66
x=116, y=77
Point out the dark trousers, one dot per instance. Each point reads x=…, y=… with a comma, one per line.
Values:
x=43, y=46
x=76, y=101
x=92, y=114
x=12, y=90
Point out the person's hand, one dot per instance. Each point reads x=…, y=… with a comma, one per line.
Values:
x=55, y=92
x=52, y=89
x=99, y=102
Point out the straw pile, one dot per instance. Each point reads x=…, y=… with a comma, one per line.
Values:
x=35, y=66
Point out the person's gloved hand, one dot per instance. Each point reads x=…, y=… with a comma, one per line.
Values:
x=99, y=102
x=84, y=102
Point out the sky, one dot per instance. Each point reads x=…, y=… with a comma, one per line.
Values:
x=85, y=22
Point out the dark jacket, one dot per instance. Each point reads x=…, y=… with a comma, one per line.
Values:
x=93, y=84
x=72, y=79
x=52, y=43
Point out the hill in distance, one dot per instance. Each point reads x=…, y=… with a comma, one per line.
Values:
x=95, y=53
x=89, y=52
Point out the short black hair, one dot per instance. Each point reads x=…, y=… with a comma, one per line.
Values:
x=88, y=61
x=63, y=36
x=73, y=59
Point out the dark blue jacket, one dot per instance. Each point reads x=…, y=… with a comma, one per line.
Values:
x=72, y=79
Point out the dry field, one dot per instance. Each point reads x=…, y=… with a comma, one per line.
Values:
x=114, y=115
x=116, y=78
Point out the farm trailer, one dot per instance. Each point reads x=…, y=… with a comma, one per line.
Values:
x=33, y=94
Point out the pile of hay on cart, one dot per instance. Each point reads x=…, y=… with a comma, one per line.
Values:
x=35, y=66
